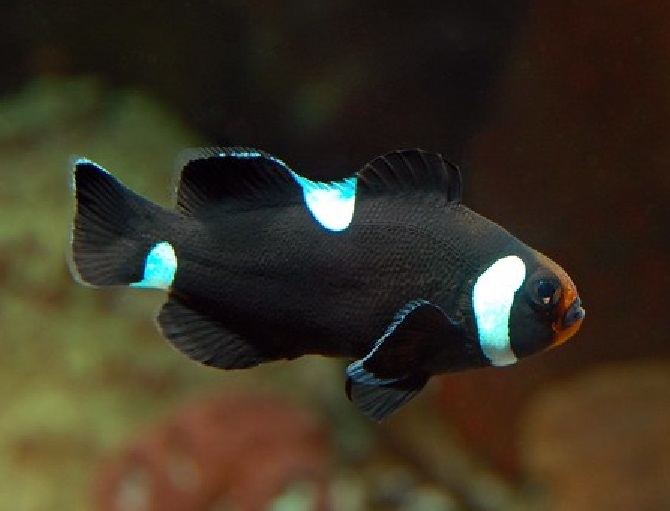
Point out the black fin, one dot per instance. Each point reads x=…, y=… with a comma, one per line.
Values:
x=417, y=333
x=215, y=176
x=396, y=368
x=113, y=228
x=204, y=339
x=411, y=170
x=376, y=398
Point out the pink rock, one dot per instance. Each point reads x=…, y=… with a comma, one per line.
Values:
x=241, y=451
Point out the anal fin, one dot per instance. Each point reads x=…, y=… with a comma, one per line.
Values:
x=204, y=339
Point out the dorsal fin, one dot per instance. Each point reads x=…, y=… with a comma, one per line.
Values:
x=411, y=170
x=216, y=176
x=237, y=175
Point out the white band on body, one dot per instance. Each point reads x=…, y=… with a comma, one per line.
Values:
x=492, y=298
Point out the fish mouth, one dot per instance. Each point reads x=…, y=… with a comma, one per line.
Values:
x=569, y=320
x=574, y=314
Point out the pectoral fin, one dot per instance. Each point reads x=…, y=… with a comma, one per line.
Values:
x=395, y=369
x=377, y=398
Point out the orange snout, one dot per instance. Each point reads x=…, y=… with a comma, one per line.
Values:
x=570, y=313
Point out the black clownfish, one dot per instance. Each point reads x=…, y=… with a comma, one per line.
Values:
x=386, y=267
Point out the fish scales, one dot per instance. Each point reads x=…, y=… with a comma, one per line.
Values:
x=318, y=292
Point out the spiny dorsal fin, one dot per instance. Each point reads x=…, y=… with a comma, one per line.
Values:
x=411, y=170
x=216, y=176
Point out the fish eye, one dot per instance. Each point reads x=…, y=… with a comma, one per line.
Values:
x=548, y=292
x=544, y=292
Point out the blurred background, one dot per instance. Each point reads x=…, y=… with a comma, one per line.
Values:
x=558, y=113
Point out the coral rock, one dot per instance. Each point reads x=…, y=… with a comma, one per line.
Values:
x=238, y=452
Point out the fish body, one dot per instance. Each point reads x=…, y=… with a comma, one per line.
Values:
x=386, y=267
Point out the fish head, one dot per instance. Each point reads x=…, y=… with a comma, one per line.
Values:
x=547, y=310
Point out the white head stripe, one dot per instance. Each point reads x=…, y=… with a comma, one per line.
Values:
x=160, y=267
x=492, y=298
x=331, y=204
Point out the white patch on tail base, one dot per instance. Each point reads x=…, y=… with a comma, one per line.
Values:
x=160, y=267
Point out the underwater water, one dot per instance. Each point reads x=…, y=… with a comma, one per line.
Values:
x=557, y=113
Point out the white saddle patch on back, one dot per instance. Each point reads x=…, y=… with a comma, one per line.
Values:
x=160, y=267
x=331, y=204
x=492, y=298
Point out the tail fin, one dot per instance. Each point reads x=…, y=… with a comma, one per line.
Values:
x=115, y=232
